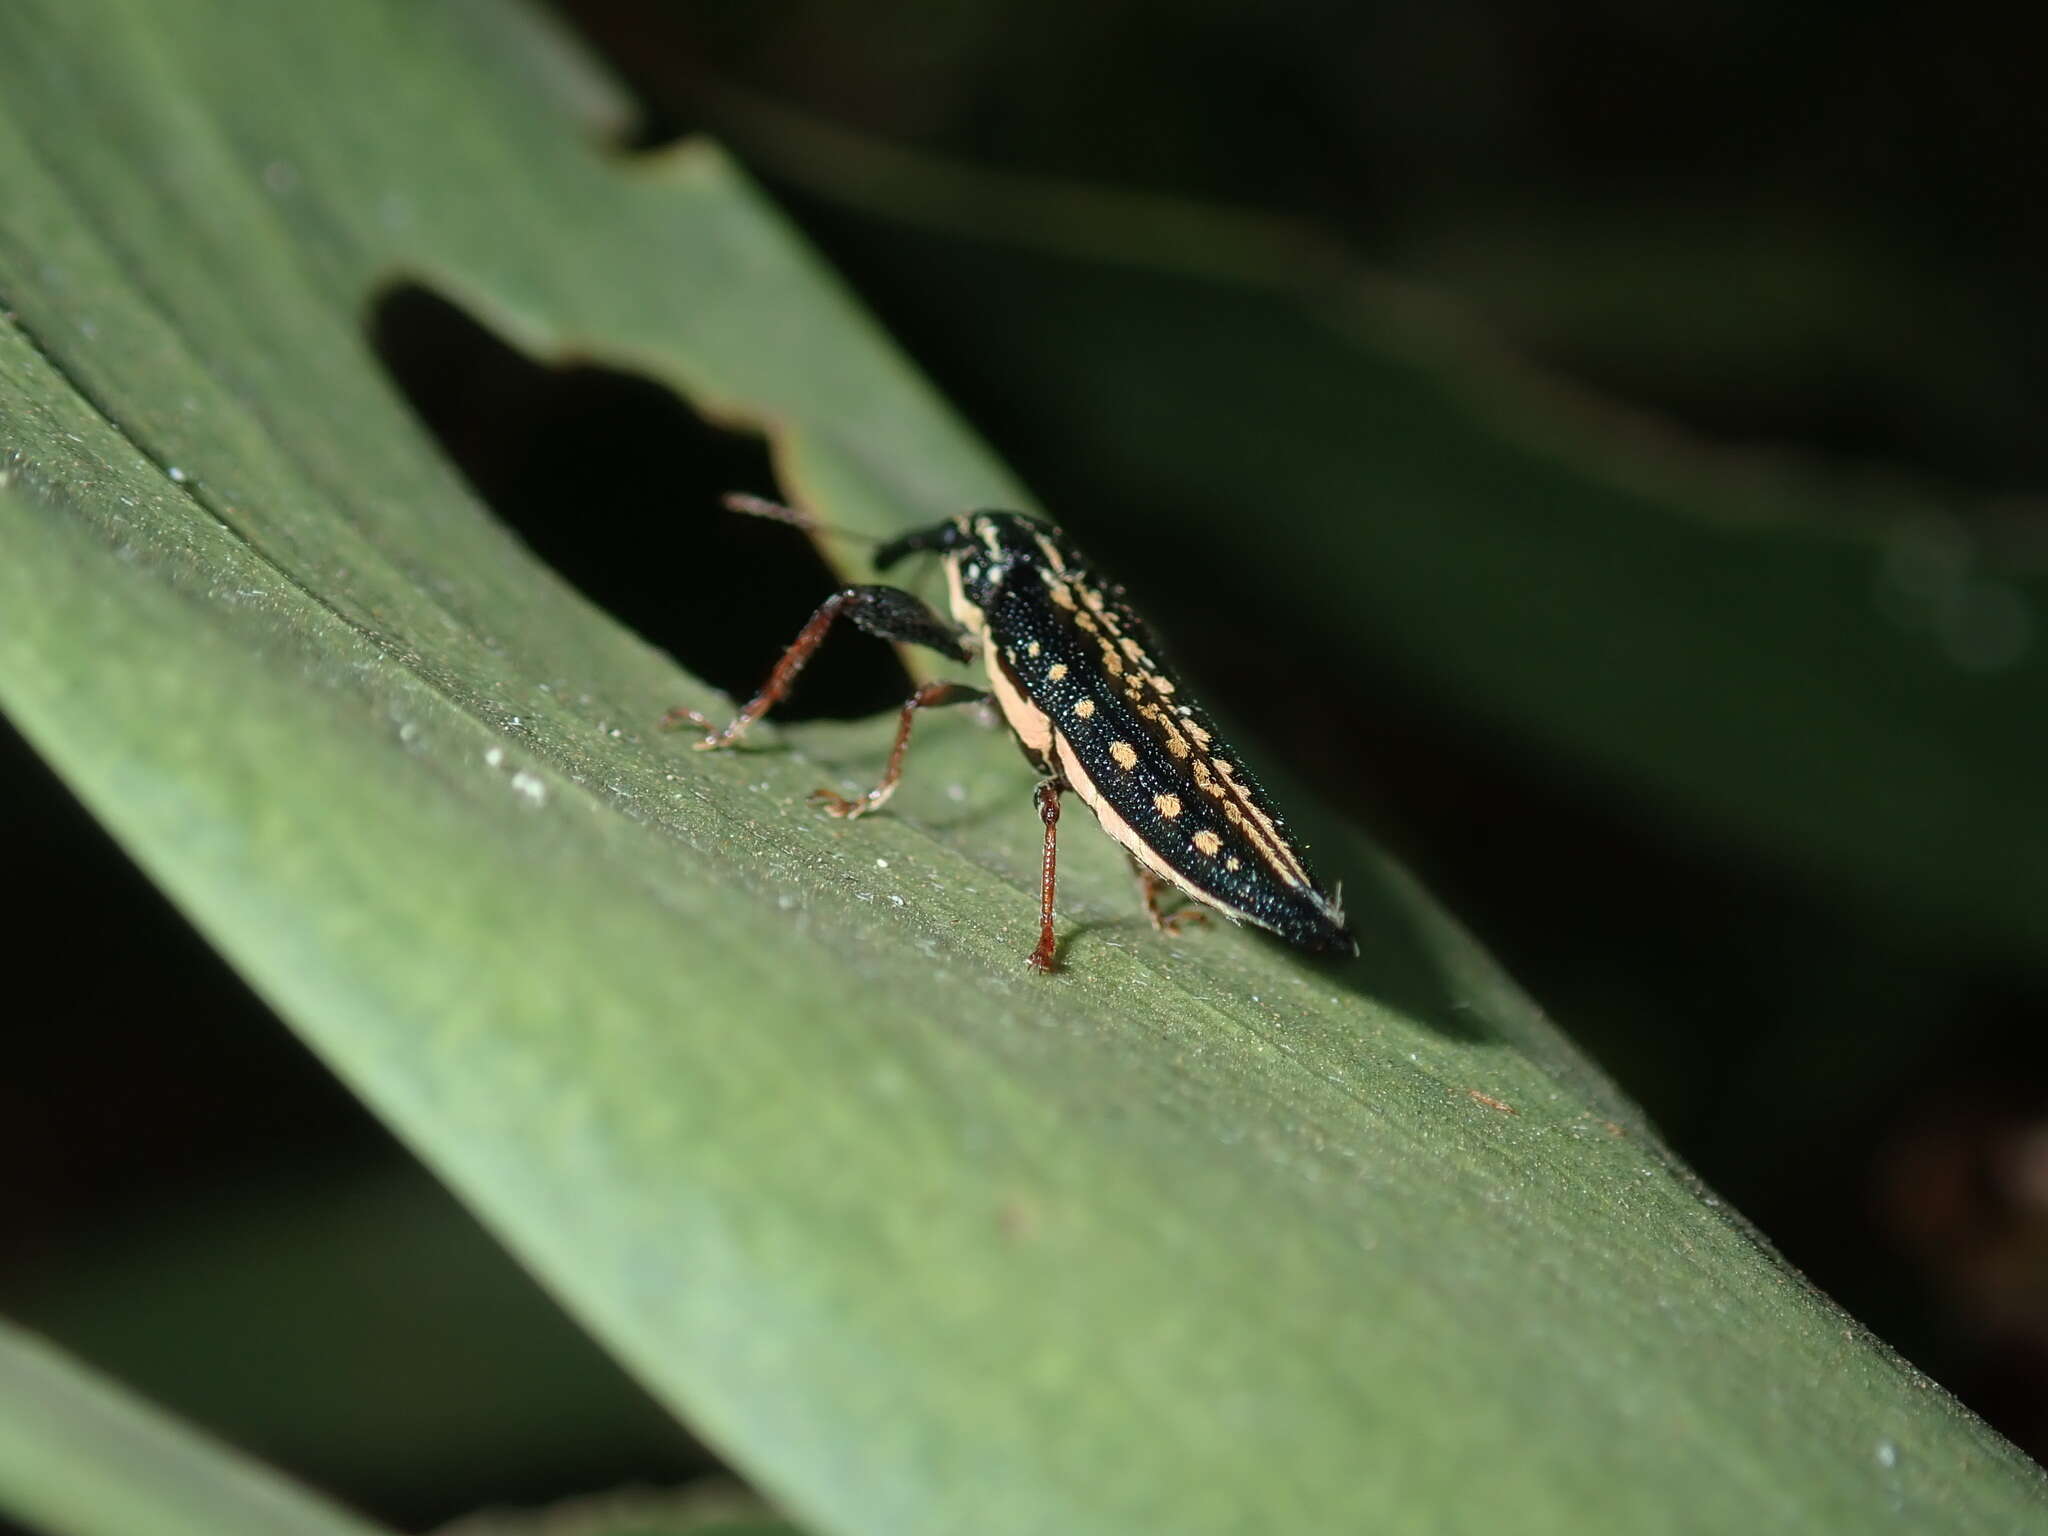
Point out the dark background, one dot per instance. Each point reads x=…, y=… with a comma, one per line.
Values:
x=1817, y=229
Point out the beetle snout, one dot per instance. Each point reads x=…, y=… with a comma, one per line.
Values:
x=938, y=538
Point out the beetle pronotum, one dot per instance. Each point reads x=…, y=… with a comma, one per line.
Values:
x=1078, y=679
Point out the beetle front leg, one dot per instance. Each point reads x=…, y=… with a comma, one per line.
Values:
x=887, y=612
x=930, y=696
x=1045, y=958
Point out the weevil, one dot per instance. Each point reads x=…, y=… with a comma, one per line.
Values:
x=1079, y=682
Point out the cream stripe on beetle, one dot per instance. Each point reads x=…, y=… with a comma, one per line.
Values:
x=1073, y=670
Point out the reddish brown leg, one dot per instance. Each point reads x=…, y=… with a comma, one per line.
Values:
x=808, y=639
x=1166, y=922
x=1048, y=794
x=930, y=696
x=883, y=611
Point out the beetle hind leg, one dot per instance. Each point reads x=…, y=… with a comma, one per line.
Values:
x=1168, y=923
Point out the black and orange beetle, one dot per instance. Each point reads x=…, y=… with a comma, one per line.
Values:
x=1079, y=681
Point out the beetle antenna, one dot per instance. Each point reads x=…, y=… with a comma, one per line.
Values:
x=776, y=512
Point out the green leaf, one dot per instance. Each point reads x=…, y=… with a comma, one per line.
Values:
x=1196, y=1236
x=703, y=1509
x=80, y=1457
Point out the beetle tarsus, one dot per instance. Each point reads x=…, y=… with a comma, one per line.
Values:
x=681, y=716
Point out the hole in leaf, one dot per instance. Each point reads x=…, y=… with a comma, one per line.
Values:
x=615, y=482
